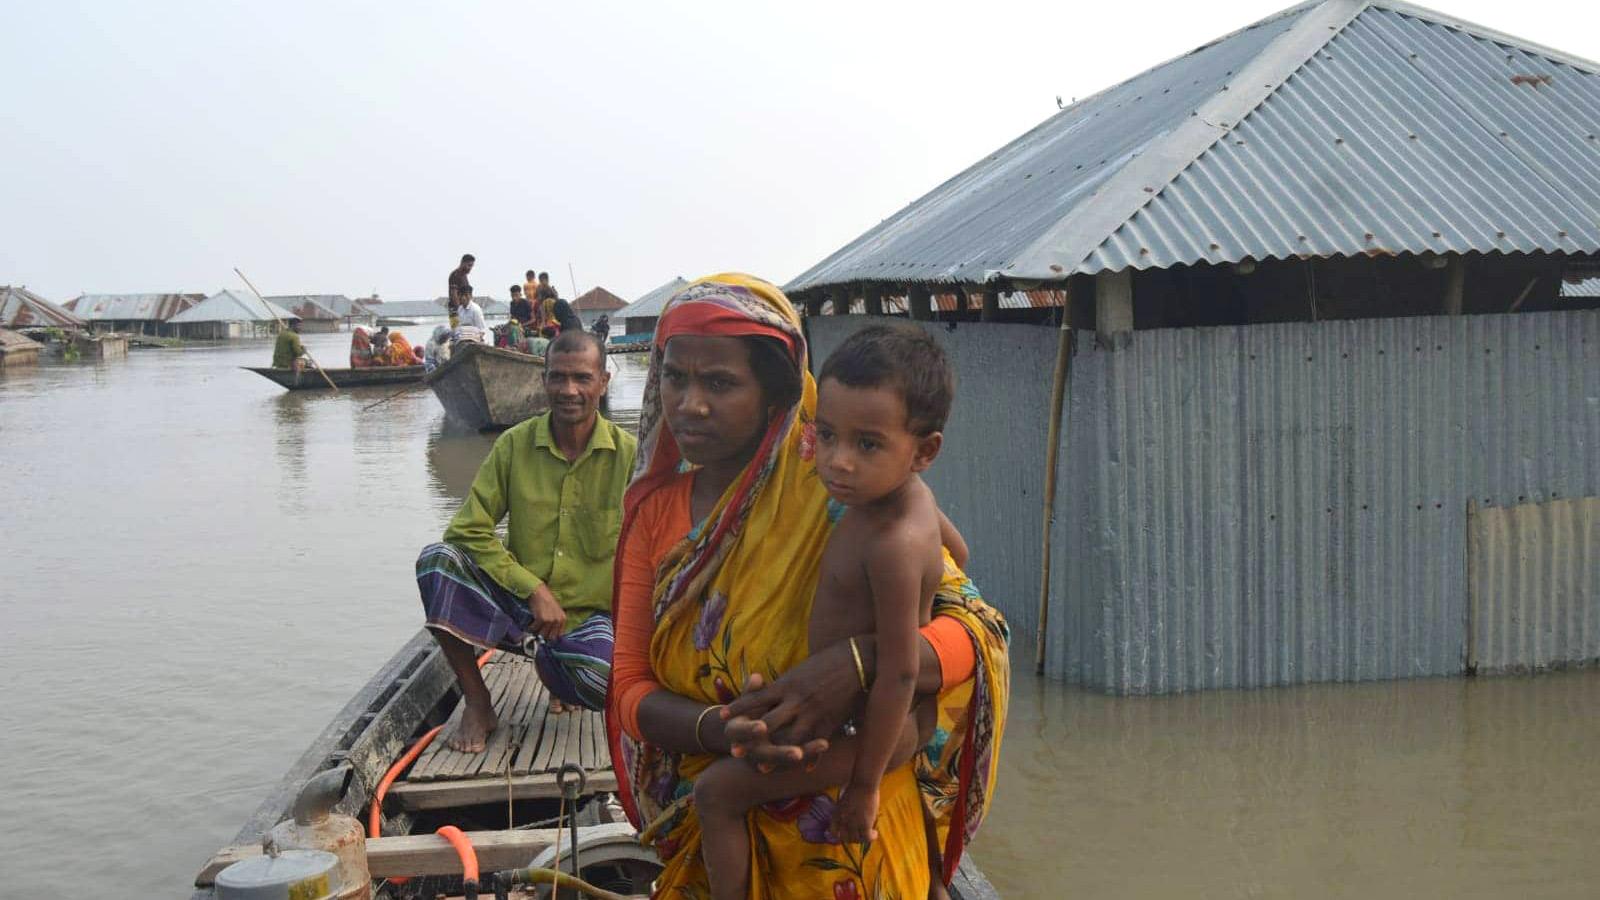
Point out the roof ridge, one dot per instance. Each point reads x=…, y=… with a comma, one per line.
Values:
x=1065, y=246
x=1486, y=33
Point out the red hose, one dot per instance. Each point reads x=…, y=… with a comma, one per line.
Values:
x=469, y=856
x=375, y=816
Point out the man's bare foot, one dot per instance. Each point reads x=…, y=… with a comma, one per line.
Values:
x=472, y=732
x=557, y=707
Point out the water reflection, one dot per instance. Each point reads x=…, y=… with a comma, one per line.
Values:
x=289, y=447
x=453, y=460
x=1442, y=787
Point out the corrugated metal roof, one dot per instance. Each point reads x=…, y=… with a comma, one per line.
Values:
x=132, y=307
x=231, y=306
x=650, y=305
x=337, y=304
x=22, y=308
x=304, y=307
x=598, y=300
x=1587, y=288
x=1334, y=128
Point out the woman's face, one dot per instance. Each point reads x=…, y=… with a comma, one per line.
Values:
x=714, y=405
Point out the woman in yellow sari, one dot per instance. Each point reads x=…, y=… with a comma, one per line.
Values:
x=721, y=542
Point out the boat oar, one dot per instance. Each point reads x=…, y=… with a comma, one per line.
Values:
x=280, y=322
x=393, y=396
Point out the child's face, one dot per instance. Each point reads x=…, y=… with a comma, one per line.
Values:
x=864, y=450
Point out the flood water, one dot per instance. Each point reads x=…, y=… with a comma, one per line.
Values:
x=200, y=568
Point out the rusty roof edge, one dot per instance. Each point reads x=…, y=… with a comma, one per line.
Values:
x=1064, y=249
x=1489, y=34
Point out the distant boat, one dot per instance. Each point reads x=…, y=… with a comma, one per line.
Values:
x=486, y=387
x=308, y=379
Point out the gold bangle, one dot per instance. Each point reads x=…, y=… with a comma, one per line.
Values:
x=861, y=670
x=701, y=721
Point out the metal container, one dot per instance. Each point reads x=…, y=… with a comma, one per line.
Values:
x=284, y=875
x=316, y=827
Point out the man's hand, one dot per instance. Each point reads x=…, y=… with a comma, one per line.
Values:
x=549, y=619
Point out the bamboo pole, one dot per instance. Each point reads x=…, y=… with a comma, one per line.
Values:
x=309, y=357
x=1052, y=447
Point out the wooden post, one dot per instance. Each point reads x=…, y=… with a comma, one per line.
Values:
x=1113, y=309
x=814, y=303
x=1058, y=391
x=920, y=302
x=841, y=300
x=872, y=297
x=991, y=303
x=961, y=299
x=1456, y=287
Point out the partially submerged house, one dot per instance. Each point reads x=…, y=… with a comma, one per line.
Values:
x=230, y=314
x=145, y=314
x=637, y=320
x=326, y=312
x=23, y=310
x=596, y=302
x=17, y=349
x=1316, y=409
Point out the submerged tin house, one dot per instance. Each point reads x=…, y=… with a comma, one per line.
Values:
x=145, y=314
x=230, y=315
x=1317, y=408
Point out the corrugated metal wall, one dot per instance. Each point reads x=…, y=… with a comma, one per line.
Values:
x=1534, y=575
x=1267, y=504
x=989, y=475
x=1272, y=504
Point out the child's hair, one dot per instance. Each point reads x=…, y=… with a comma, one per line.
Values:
x=904, y=357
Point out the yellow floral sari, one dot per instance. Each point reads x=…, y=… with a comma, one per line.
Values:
x=734, y=598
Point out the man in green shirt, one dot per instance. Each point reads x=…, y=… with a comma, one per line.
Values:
x=544, y=591
x=289, y=352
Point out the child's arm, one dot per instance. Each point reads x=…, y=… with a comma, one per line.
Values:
x=952, y=540
x=894, y=576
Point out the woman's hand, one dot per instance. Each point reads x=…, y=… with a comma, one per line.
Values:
x=750, y=736
x=856, y=816
x=789, y=721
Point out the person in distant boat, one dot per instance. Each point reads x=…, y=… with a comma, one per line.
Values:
x=460, y=291
x=530, y=290
x=521, y=307
x=602, y=327
x=360, y=348
x=289, y=352
x=545, y=590
x=544, y=298
x=380, y=346
x=401, y=353
x=566, y=319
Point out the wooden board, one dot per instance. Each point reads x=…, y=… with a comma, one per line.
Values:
x=418, y=854
x=529, y=740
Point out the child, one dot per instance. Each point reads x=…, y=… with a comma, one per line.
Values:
x=882, y=401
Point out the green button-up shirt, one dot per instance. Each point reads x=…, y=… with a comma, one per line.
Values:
x=564, y=516
x=287, y=349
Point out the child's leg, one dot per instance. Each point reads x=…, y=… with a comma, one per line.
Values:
x=725, y=793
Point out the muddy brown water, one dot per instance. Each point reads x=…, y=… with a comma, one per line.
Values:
x=199, y=569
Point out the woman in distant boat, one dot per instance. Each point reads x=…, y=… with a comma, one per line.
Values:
x=718, y=560
x=360, y=348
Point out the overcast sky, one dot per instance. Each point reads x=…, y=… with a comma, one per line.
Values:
x=352, y=147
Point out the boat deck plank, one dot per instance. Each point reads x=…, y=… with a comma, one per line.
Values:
x=530, y=741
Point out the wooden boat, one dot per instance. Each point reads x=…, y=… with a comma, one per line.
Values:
x=518, y=775
x=484, y=387
x=308, y=379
